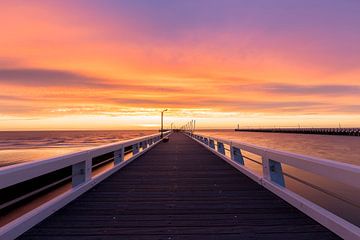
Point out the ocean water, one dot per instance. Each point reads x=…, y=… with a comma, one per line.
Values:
x=18, y=147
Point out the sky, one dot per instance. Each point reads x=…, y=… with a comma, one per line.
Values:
x=115, y=64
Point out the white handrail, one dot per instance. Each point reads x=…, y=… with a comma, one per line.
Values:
x=272, y=177
x=342, y=172
x=82, y=178
x=13, y=174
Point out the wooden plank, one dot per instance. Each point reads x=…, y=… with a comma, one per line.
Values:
x=178, y=190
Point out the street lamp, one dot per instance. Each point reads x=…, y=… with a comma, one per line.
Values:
x=162, y=122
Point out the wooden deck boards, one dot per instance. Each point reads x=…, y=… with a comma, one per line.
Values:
x=178, y=190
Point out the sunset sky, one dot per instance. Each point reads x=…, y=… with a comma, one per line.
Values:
x=114, y=64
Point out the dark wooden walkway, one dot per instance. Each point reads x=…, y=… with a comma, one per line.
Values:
x=178, y=190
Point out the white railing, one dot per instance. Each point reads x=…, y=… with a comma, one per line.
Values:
x=272, y=177
x=82, y=178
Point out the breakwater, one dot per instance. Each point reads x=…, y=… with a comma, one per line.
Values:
x=319, y=131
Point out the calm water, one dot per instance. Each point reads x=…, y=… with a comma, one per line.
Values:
x=17, y=147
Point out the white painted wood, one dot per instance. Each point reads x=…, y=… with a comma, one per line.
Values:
x=119, y=156
x=13, y=174
x=342, y=172
x=135, y=148
x=81, y=172
x=236, y=155
x=265, y=167
x=334, y=223
x=220, y=147
x=338, y=171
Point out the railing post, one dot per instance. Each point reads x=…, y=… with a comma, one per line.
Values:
x=221, y=148
x=211, y=143
x=276, y=174
x=81, y=172
x=119, y=156
x=272, y=171
x=135, y=148
x=236, y=155
x=143, y=145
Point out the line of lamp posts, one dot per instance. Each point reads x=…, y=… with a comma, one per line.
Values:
x=189, y=126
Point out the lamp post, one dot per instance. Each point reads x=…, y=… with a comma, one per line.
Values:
x=162, y=122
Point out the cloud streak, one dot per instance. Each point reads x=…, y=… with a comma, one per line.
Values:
x=62, y=78
x=111, y=94
x=211, y=57
x=296, y=89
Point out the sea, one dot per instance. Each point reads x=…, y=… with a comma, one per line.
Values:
x=25, y=146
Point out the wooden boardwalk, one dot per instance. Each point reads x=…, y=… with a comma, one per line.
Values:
x=178, y=190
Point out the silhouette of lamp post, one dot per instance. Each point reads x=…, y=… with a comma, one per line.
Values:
x=162, y=122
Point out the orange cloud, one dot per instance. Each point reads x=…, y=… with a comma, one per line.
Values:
x=58, y=61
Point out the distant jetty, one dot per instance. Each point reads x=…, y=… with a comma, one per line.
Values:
x=319, y=131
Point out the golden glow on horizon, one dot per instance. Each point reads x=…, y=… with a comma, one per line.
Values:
x=70, y=72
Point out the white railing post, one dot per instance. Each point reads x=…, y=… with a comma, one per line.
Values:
x=211, y=143
x=272, y=171
x=135, y=148
x=276, y=173
x=266, y=168
x=119, y=156
x=81, y=172
x=145, y=144
x=236, y=155
x=220, y=147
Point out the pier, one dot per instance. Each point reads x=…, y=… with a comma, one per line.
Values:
x=318, y=131
x=191, y=187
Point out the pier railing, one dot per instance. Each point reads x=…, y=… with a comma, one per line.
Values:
x=272, y=176
x=75, y=173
